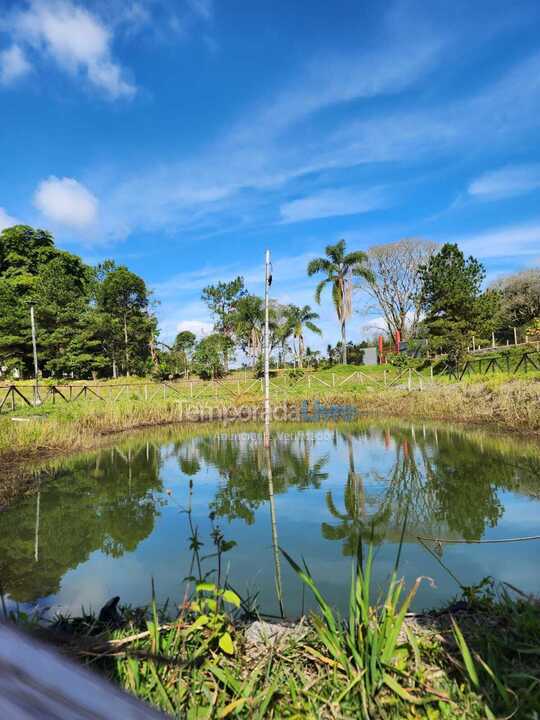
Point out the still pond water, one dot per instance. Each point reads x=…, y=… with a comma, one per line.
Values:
x=106, y=524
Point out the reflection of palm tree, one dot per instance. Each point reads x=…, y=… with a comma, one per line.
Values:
x=241, y=461
x=353, y=521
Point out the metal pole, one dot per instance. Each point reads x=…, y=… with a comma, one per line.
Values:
x=37, y=400
x=267, y=281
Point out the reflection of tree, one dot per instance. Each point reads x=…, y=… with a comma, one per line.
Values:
x=241, y=462
x=445, y=486
x=105, y=504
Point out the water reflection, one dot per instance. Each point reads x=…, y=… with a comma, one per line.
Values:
x=108, y=503
x=315, y=492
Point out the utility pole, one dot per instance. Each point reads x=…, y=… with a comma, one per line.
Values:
x=267, y=283
x=37, y=400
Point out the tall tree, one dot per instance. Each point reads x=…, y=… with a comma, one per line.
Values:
x=339, y=269
x=248, y=323
x=452, y=301
x=221, y=299
x=395, y=283
x=125, y=297
x=298, y=319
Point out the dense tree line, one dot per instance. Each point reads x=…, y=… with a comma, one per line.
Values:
x=98, y=321
x=92, y=321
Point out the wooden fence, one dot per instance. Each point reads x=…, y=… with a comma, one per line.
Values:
x=505, y=362
x=236, y=389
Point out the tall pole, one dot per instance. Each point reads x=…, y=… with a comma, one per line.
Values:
x=34, y=347
x=267, y=282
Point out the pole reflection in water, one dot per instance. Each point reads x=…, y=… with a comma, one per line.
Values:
x=273, y=521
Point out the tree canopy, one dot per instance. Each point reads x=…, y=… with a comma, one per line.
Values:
x=89, y=319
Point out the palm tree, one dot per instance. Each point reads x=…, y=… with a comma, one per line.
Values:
x=339, y=269
x=299, y=318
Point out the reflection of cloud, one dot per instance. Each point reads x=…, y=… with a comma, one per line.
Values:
x=97, y=580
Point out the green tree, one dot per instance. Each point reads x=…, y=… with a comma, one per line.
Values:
x=339, y=269
x=452, y=301
x=209, y=356
x=221, y=299
x=248, y=323
x=299, y=318
x=124, y=296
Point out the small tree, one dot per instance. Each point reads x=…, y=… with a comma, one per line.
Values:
x=339, y=269
x=299, y=318
x=221, y=299
x=209, y=356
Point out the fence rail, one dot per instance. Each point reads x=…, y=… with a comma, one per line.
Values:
x=14, y=396
x=506, y=362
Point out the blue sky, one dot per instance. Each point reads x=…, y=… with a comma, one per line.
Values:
x=183, y=137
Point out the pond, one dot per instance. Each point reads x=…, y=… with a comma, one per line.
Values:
x=108, y=523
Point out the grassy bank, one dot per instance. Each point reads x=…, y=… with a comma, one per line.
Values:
x=476, y=660
x=500, y=402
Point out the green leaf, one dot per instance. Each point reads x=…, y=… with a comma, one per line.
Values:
x=226, y=643
x=200, y=622
x=466, y=654
x=231, y=597
x=206, y=587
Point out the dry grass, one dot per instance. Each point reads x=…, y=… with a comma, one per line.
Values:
x=503, y=405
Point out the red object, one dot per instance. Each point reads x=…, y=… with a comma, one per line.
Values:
x=398, y=340
x=381, y=354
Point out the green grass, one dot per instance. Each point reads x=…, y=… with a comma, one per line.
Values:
x=376, y=663
x=500, y=401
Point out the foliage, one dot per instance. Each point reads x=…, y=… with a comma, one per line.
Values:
x=210, y=354
x=125, y=298
x=454, y=306
x=355, y=353
x=520, y=298
x=222, y=299
x=83, y=314
x=339, y=268
x=533, y=329
x=296, y=319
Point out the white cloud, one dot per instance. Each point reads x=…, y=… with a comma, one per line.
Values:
x=7, y=220
x=66, y=201
x=76, y=39
x=328, y=203
x=506, y=182
x=13, y=65
x=201, y=328
x=501, y=242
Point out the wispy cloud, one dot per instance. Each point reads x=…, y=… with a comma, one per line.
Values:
x=501, y=242
x=328, y=203
x=506, y=182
